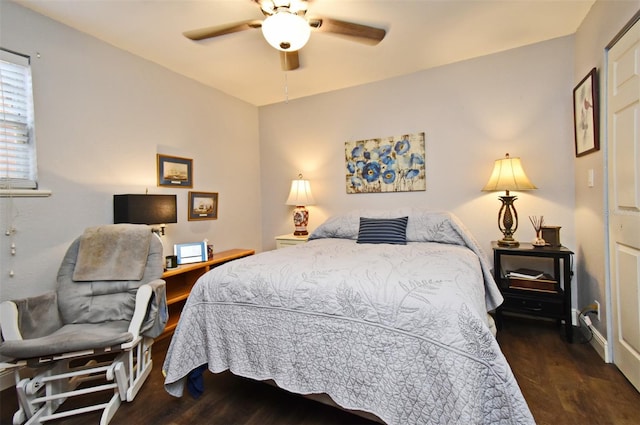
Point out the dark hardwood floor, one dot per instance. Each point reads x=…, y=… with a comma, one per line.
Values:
x=563, y=384
x=566, y=383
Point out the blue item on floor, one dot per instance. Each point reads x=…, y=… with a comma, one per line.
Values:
x=195, y=381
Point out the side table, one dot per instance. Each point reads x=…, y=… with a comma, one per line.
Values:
x=284, y=241
x=554, y=302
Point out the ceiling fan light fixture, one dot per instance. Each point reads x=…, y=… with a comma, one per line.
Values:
x=286, y=31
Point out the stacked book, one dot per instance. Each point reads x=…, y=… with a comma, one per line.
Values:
x=532, y=280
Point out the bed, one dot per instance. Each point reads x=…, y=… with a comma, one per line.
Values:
x=399, y=330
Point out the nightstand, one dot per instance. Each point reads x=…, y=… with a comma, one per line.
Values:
x=553, y=301
x=290, y=239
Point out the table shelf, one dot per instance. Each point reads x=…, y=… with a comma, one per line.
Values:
x=180, y=281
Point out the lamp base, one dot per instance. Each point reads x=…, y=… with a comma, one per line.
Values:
x=512, y=242
x=508, y=221
x=300, y=220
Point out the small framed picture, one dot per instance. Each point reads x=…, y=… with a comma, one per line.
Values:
x=174, y=171
x=585, y=114
x=203, y=206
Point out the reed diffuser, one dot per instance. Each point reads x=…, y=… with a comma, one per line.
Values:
x=537, y=223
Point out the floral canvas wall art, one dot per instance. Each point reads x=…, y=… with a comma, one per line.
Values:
x=390, y=164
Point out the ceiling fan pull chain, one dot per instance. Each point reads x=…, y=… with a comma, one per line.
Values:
x=286, y=81
x=286, y=88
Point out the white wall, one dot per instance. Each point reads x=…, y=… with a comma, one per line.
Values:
x=102, y=114
x=472, y=112
x=604, y=21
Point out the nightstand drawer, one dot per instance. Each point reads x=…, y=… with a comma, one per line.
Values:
x=525, y=305
x=284, y=241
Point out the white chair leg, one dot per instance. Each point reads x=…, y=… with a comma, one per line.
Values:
x=110, y=409
x=23, y=399
x=39, y=397
x=36, y=419
x=117, y=374
x=19, y=417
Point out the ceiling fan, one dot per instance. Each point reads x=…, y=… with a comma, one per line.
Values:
x=287, y=29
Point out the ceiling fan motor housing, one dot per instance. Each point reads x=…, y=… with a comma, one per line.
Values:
x=269, y=7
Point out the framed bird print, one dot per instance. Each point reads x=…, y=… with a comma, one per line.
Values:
x=585, y=114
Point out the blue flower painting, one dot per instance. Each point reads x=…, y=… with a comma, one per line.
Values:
x=391, y=164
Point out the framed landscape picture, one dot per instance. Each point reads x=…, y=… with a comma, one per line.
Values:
x=203, y=206
x=174, y=171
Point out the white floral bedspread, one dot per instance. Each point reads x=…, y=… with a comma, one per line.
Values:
x=399, y=331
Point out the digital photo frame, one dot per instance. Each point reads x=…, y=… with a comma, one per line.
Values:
x=188, y=253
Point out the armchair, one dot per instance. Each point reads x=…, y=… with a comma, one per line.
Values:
x=97, y=327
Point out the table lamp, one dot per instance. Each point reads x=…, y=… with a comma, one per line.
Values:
x=507, y=175
x=299, y=196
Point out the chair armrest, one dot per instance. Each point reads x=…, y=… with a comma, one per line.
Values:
x=9, y=321
x=143, y=295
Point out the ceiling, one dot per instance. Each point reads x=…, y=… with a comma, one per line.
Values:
x=421, y=34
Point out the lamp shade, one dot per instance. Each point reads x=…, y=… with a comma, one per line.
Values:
x=508, y=174
x=145, y=209
x=286, y=31
x=300, y=193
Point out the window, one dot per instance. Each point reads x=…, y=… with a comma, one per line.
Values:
x=17, y=139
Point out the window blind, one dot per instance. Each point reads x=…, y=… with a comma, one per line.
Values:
x=17, y=141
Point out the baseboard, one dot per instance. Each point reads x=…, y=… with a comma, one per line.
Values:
x=598, y=341
x=600, y=344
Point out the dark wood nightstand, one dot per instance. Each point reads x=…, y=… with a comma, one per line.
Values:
x=551, y=302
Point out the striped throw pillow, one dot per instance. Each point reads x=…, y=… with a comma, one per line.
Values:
x=383, y=230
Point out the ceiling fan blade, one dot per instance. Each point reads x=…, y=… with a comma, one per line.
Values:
x=361, y=33
x=289, y=60
x=210, y=32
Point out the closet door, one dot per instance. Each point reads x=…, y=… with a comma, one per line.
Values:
x=623, y=138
